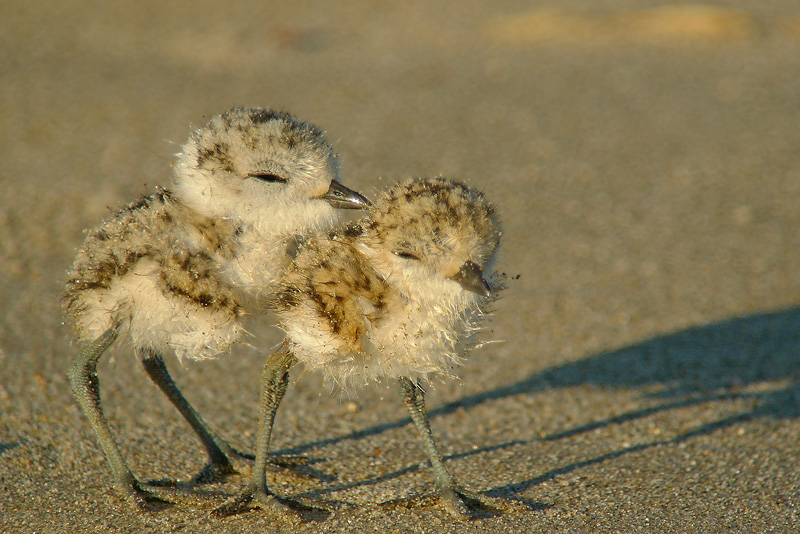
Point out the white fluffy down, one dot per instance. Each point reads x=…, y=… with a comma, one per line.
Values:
x=268, y=218
x=157, y=320
x=426, y=336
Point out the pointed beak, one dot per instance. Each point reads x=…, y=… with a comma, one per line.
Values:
x=471, y=278
x=343, y=198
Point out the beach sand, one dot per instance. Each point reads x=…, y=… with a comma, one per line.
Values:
x=646, y=166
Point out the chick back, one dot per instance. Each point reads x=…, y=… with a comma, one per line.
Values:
x=333, y=291
x=153, y=266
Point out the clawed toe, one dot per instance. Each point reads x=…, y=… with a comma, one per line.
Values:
x=267, y=502
x=288, y=461
x=284, y=509
x=214, y=472
x=235, y=505
x=455, y=504
x=465, y=504
x=210, y=474
x=288, y=510
x=144, y=500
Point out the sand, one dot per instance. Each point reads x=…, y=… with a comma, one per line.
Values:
x=645, y=163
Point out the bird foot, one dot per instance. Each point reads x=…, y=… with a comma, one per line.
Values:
x=143, y=500
x=288, y=462
x=464, y=504
x=221, y=471
x=211, y=473
x=214, y=472
x=265, y=500
x=287, y=510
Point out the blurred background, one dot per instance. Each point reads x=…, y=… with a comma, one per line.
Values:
x=644, y=157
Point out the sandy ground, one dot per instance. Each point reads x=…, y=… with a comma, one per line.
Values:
x=646, y=164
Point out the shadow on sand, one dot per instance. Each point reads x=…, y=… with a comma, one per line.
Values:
x=710, y=363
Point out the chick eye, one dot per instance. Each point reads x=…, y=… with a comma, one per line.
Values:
x=268, y=177
x=404, y=254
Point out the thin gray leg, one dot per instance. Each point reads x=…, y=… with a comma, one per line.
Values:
x=86, y=388
x=451, y=495
x=273, y=387
x=216, y=447
x=274, y=383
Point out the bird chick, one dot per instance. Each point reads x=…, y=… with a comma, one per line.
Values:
x=177, y=270
x=400, y=295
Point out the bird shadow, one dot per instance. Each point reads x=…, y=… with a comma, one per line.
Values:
x=711, y=363
x=481, y=510
x=317, y=493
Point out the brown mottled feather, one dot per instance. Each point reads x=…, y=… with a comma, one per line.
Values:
x=379, y=298
x=333, y=278
x=147, y=229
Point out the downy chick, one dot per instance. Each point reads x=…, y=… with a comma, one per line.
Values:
x=400, y=295
x=177, y=270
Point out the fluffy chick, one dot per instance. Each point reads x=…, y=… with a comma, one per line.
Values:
x=399, y=295
x=177, y=270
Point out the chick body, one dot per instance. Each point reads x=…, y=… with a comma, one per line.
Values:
x=399, y=295
x=177, y=270
x=379, y=299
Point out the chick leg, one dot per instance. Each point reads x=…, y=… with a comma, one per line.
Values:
x=217, y=448
x=86, y=388
x=453, y=497
x=273, y=387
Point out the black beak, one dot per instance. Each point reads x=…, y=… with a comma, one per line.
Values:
x=471, y=278
x=343, y=198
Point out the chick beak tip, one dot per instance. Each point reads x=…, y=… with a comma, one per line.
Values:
x=471, y=278
x=344, y=198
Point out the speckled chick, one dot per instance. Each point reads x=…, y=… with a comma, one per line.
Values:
x=177, y=270
x=400, y=295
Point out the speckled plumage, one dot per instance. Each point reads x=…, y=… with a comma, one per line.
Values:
x=177, y=270
x=399, y=295
x=138, y=270
x=379, y=299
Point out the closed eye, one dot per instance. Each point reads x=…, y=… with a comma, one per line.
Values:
x=268, y=177
x=406, y=255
